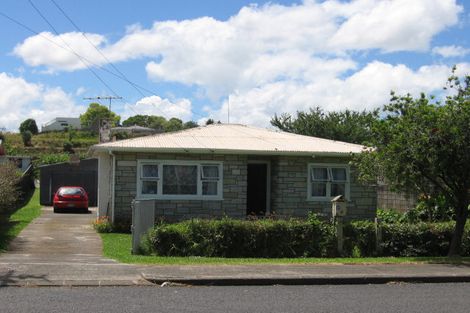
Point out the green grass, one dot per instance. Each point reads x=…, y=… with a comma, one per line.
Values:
x=12, y=225
x=118, y=247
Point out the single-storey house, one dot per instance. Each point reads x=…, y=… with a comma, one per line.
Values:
x=229, y=170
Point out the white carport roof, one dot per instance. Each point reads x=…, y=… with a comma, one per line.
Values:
x=231, y=139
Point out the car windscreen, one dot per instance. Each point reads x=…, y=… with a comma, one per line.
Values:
x=70, y=192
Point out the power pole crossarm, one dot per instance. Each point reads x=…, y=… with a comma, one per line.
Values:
x=110, y=98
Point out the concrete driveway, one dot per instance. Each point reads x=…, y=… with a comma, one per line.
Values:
x=62, y=249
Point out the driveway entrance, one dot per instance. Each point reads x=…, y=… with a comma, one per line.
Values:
x=60, y=249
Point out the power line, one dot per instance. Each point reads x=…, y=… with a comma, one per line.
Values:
x=11, y=19
x=71, y=49
x=96, y=48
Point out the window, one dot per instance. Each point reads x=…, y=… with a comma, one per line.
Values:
x=179, y=180
x=210, y=179
x=328, y=180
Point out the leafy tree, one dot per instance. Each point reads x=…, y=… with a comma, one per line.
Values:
x=26, y=136
x=97, y=112
x=30, y=125
x=151, y=121
x=348, y=126
x=422, y=144
x=173, y=124
x=210, y=121
x=190, y=124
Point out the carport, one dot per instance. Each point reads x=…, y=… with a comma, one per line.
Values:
x=83, y=173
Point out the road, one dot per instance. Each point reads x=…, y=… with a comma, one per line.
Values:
x=394, y=298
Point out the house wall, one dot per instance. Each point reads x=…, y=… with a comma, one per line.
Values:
x=288, y=188
x=234, y=188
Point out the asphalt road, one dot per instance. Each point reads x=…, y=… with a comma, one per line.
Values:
x=394, y=298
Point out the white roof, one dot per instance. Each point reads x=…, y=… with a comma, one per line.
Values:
x=232, y=139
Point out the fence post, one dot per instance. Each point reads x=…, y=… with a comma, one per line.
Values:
x=339, y=233
x=378, y=236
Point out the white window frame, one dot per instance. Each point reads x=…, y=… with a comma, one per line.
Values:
x=328, y=166
x=160, y=196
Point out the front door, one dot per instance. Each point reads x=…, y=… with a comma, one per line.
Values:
x=257, y=189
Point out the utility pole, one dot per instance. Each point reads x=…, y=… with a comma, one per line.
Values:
x=110, y=98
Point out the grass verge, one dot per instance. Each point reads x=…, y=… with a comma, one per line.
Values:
x=11, y=225
x=118, y=246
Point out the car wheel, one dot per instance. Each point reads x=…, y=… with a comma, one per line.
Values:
x=85, y=210
x=56, y=210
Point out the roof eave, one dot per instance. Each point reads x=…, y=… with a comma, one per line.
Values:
x=98, y=149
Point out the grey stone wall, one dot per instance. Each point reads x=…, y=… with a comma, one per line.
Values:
x=234, y=188
x=288, y=188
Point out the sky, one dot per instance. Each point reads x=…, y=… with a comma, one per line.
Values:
x=235, y=61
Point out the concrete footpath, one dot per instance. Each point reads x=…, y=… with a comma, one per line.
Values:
x=64, y=250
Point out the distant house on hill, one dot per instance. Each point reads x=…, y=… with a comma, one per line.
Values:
x=61, y=123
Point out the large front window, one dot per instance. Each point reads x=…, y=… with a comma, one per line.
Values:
x=327, y=181
x=179, y=180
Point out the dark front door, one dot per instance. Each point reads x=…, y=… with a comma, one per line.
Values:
x=257, y=189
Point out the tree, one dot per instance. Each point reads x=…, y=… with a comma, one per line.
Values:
x=348, y=126
x=190, y=124
x=30, y=125
x=422, y=144
x=97, y=112
x=151, y=121
x=173, y=124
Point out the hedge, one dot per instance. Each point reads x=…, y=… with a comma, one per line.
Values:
x=236, y=238
x=297, y=238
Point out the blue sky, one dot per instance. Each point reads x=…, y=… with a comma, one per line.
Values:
x=194, y=59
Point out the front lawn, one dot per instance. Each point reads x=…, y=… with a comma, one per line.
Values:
x=118, y=246
x=12, y=225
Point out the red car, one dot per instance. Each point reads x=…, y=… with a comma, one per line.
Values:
x=70, y=198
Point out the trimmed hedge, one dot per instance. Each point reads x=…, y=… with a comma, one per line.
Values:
x=297, y=238
x=235, y=238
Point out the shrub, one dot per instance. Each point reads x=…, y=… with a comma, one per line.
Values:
x=9, y=193
x=103, y=225
x=418, y=239
x=391, y=216
x=26, y=136
x=359, y=238
x=235, y=238
x=68, y=147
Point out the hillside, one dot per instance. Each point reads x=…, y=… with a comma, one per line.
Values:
x=51, y=143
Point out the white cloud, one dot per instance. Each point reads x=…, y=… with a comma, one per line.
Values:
x=450, y=51
x=399, y=25
x=20, y=100
x=154, y=105
x=368, y=88
x=204, y=50
x=66, y=52
x=272, y=58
